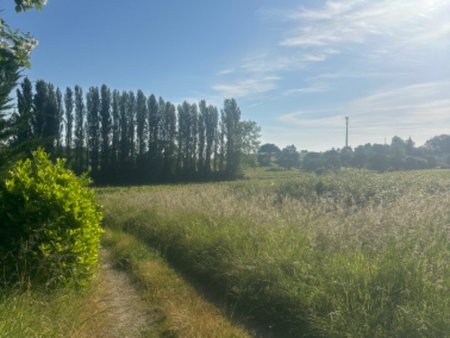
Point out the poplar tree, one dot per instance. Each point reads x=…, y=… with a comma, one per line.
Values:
x=105, y=113
x=202, y=136
x=131, y=114
x=221, y=142
x=124, y=139
x=211, y=121
x=141, y=126
x=79, y=130
x=68, y=103
x=40, y=101
x=153, y=127
x=170, y=131
x=93, y=128
x=115, y=131
x=60, y=120
x=184, y=135
x=194, y=138
x=232, y=116
x=24, y=130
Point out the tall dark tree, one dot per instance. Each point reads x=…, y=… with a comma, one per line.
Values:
x=93, y=128
x=131, y=113
x=184, y=136
x=141, y=126
x=45, y=114
x=153, y=130
x=268, y=153
x=68, y=103
x=211, y=120
x=105, y=113
x=221, y=142
x=60, y=120
x=170, y=132
x=202, y=117
x=40, y=102
x=232, y=126
x=289, y=157
x=124, y=147
x=115, y=131
x=80, y=133
x=24, y=130
x=194, y=138
x=250, y=134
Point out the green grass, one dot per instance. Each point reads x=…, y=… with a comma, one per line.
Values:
x=354, y=254
x=178, y=310
x=64, y=313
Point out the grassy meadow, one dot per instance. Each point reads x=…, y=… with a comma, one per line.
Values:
x=353, y=254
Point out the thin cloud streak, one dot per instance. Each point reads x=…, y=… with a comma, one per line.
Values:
x=417, y=109
x=338, y=23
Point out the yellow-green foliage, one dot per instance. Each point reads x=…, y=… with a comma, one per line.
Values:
x=50, y=224
x=351, y=255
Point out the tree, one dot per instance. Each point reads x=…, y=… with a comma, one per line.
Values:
x=115, y=130
x=105, y=113
x=211, y=121
x=332, y=159
x=68, y=103
x=184, y=136
x=131, y=114
x=232, y=115
x=268, y=153
x=124, y=147
x=24, y=130
x=397, y=153
x=313, y=162
x=153, y=128
x=93, y=128
x=40, y=101
x=79, y=130
x=60, y=120
x=289, y=157
x=193, y=119
x=15, y=49
x=170, y=133
x=46, y=124
x=250, y=134
x=141, y=126
x=202, y=135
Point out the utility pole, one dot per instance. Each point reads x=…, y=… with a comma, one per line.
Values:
x=346, y=132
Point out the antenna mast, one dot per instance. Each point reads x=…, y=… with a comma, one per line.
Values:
x=346, y=131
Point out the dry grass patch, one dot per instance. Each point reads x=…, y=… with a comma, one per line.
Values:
x=181, y=310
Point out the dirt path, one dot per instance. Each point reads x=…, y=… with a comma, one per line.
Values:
x=119, y=310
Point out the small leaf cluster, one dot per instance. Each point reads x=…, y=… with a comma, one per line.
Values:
x=49, y=224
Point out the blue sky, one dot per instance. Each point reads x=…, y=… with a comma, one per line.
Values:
x=295, y=67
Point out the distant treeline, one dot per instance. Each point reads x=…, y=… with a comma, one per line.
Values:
x=400, y=154
x=126, y=137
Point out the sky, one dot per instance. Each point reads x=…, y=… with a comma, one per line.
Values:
x=297, y=68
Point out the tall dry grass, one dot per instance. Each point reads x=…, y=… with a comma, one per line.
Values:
x=350, y=255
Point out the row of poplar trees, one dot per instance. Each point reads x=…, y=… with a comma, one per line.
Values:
x=126, y=137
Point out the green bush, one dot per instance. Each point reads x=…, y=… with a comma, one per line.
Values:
x=49, y=224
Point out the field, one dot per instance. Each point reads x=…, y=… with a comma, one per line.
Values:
x=277, y=254
x=353, y=254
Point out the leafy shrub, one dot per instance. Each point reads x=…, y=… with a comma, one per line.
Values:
x=49, y=224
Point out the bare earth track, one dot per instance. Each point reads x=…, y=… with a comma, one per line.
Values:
x=120, y=311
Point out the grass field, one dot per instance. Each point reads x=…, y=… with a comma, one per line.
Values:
x=353, y=254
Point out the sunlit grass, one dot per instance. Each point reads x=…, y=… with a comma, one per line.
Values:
x=179, y=311
x=350, y=255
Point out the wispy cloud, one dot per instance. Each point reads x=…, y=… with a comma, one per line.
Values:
x=315, y=88
x=421, y=109
x=338, y=23
x=247, y=87
x=226, y=71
